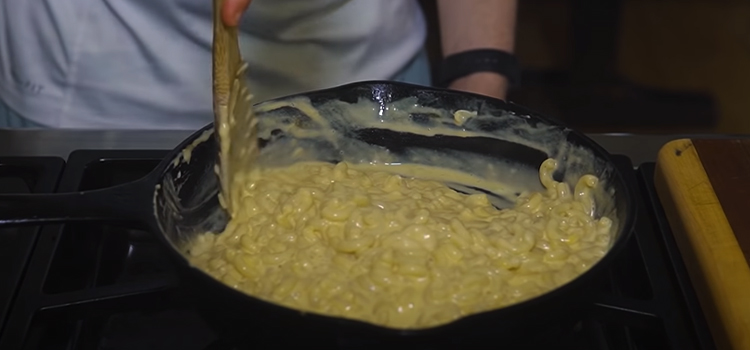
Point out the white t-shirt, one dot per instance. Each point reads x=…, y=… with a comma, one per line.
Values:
x=146, y=64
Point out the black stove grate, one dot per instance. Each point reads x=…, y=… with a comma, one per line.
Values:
x=98, y=286
x=21, y=175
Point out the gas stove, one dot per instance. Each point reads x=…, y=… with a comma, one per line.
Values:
x=99, y=286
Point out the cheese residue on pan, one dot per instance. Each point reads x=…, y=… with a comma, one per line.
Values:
x=362, y=242
x=461, y=116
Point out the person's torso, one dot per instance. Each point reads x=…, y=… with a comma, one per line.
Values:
x=147, y=64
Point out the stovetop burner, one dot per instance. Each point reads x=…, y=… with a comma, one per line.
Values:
x=99, y=286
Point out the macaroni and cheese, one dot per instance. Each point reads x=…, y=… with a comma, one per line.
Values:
x=359, y=242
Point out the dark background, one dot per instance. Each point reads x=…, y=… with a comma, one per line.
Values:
x=649, y=66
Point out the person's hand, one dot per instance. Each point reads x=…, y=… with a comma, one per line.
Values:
x=233, y=10
x=483, y=83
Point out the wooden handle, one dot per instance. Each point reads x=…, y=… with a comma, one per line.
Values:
x=234, y=121
x=226, y=56
x=687, y=178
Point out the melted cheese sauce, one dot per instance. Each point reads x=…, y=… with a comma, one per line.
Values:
x=362, y=242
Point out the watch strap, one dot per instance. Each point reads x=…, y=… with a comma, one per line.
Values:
x=469, y=62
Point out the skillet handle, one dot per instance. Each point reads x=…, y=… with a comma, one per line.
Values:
x=129, y=203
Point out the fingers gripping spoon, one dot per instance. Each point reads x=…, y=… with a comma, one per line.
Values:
x=234, y=121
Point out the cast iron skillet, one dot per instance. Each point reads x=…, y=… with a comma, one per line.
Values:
x=178, y=200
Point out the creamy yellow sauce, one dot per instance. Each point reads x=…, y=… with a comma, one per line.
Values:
x=362, y=242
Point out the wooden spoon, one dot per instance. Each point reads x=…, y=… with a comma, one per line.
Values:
x=234, y=121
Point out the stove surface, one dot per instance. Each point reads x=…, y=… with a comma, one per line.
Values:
x=100, y=286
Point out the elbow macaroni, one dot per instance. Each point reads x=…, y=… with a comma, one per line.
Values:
x=399, y=252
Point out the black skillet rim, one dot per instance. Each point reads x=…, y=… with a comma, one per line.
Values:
x=519, y=110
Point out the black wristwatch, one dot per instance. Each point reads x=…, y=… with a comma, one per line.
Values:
x=469, y=62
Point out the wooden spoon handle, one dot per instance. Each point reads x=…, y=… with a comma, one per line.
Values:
x=235, y=126
x=226, y=56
